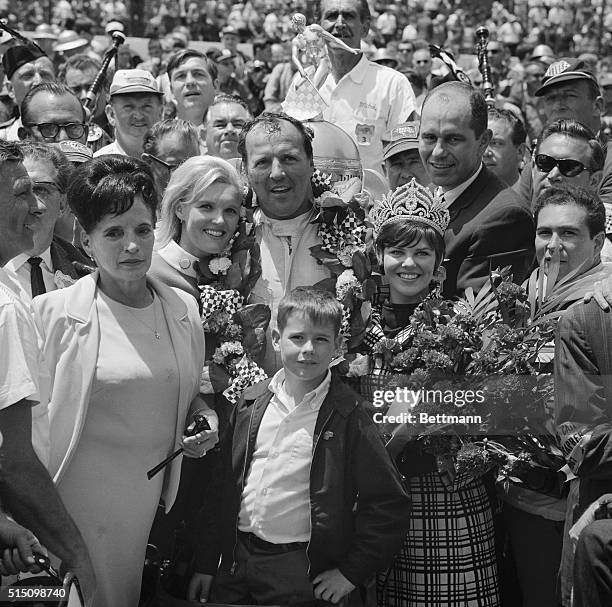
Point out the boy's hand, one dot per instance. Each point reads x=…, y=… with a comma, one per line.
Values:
x=331, y=586
x=199, y=587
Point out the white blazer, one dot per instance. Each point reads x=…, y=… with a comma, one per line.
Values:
x=68, y=322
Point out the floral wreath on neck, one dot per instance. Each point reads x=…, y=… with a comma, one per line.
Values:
x=346, y=235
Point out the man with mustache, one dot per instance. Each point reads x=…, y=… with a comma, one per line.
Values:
x=490, y=226
x=363, y=98
x=224, y=121
x=135, y=105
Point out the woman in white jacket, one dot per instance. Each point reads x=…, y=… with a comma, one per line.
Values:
x=126, y=354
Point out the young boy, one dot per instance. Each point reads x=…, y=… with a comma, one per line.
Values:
x=307, y=504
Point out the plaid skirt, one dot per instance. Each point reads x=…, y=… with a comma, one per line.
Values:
x=448, y=558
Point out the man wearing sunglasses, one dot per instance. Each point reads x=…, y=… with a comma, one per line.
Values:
x=571, y=90
x=567, y=153
x=50, y=113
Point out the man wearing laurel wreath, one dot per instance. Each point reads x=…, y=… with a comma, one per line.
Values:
x=277, y=155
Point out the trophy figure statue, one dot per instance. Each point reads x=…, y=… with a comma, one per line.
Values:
x=310, y=56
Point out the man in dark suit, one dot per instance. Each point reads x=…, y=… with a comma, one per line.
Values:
x=490, y=225
x=53, y=262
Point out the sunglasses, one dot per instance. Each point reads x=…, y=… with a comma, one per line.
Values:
x=567, y=166
x=167, y=166
x=50, y=130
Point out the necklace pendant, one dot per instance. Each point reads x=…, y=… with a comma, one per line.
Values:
x=157, y=335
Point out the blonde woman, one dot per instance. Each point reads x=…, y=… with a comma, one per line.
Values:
x=200, y=212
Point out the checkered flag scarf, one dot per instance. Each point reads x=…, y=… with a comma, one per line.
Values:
x=229, y=301
x=248, y=373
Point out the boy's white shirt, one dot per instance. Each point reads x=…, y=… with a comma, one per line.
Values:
x=275, y=502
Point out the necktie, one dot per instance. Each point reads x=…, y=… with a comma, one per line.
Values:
x=36, y=277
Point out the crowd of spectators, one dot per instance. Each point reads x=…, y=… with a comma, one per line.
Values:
x=575, y=25
x=183, y=108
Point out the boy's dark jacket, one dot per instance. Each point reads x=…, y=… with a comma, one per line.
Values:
x=359, y=508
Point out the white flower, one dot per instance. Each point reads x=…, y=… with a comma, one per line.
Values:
x=219, y=265
x=231, y=347
x=345, y=282
x=359, y=366
x=62, y=280
x=345, y=254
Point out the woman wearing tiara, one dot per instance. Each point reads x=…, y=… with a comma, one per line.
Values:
x=449, y=556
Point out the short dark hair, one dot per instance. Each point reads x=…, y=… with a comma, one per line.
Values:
x=57, y=89
x=184, y=55
x=478, y=106
x=10, y=151
x=82, y=62
x=576, y=130
x=185, y=130
x=519, y=133
x=571, y=194
x=318, y=306
x=225, y=98
x=364, y=10
x=273, y=120
x=107, y=185
x=407, y=233
x=38, y=150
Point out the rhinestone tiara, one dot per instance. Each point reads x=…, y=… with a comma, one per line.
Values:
x=413, y=202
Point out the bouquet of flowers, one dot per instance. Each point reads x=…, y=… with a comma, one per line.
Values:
x=490, y=344
x=237, y=328
x=345, y=233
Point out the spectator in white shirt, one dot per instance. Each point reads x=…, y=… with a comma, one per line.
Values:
x=363, y=98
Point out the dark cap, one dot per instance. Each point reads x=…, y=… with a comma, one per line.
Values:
x=16, y=56
x=224, y=55
x=564, y=70
x=230, y=29
x=401, y=138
